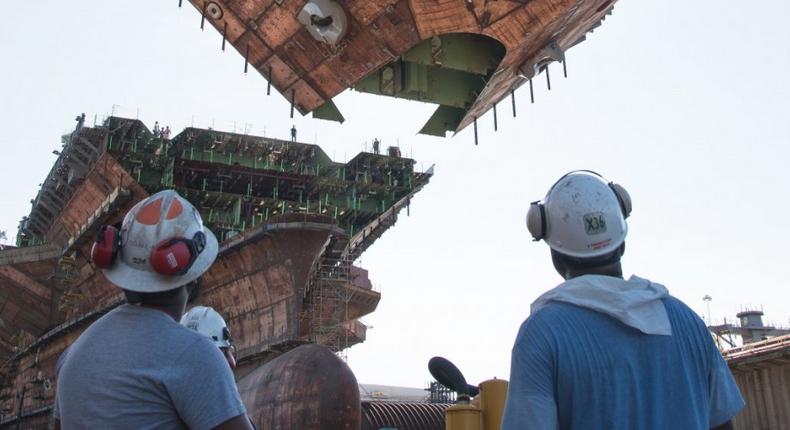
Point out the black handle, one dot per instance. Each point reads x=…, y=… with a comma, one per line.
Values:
x=447, y=374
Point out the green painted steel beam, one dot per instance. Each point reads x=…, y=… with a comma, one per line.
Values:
x=470, y=53
x=444, y=119
x=423, y=83
x=449, y=70
x=231, y=198
x=328, y=111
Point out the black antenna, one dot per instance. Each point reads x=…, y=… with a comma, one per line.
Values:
x=246, y=58
x=495, y=121
x=448, y=375
x=548, y=79
x=513, y=101
x=269, y=82
x=531, y=93
x=475, y=131
x=224, y=35
x=564, y=68
x=203, y=16
x=293, y=95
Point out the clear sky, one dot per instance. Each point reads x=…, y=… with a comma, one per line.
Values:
x=683, y=103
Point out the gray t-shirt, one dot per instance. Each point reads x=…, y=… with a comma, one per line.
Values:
x=136, y=368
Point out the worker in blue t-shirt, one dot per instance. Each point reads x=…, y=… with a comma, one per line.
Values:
x=137, y=367
x=602, y=352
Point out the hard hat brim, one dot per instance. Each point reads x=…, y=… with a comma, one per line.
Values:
x=142, y=281
x=613, y=244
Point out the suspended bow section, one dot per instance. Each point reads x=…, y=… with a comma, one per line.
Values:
x=463, y=55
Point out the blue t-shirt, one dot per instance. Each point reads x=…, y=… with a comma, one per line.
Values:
x=137, y=368
x=575, y=368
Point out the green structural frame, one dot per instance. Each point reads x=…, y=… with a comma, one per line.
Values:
x=449, y=70
x=240, y=181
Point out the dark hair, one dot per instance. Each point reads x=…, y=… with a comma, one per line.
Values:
x=589, y=263
x=169, y=297
x=162, y=298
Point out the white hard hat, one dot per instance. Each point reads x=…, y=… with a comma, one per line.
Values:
x=208, y=322
x=163, y=245
x=582, y=215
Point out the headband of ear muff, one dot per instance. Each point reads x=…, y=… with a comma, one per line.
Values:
x=536, y=215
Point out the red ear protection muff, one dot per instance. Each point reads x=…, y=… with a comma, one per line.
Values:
x=174, y=257
x=105, y=249
x=230, y=355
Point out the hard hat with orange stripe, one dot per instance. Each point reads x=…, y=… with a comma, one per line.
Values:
x=162, y=245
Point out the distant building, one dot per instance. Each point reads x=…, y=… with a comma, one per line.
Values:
x=388, y=393
x=750, y=328
x=761, y=371
x=389, y=407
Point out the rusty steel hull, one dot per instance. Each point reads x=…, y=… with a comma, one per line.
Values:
x=258, y=282
x=284, y=276
x=307, y=388
x=260, y=297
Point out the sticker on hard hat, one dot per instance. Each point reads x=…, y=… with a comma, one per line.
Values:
x=599, y=245
x=594, y=223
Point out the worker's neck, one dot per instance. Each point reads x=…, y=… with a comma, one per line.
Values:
x=175, y=311
x=614, y=270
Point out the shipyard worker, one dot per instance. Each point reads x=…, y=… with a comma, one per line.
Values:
x=208, y=322
x=602, y=352
x=157, y=130
x=293, y=133
x=136, y=366
x=376, y=144
x=80, y=121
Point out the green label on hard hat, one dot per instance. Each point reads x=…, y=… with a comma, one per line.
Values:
x=594, y=223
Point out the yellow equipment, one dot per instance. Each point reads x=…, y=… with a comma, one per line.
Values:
x=493, y=394
x=463, y=416
x=484, y=412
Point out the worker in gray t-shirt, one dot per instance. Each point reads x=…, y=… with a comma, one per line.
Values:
x=137, y=367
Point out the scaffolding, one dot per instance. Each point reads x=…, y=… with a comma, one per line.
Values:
x=440, y=394
x=328, y=297
x=67, y=277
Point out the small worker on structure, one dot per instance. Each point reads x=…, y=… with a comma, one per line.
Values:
x=602, y=352
x=376, y=144
x=137, y=367
x=293, y=133
x=157, y=130
x=80, y=121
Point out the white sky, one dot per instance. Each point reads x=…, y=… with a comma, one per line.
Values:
x=684, y=103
